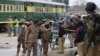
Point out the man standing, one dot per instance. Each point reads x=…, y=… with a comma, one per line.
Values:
x=45, y=39
x=39, y=41
x=16, y=25
x=31, y=38
x=61, y=39
x=9, y=26
x=21, y=37
x=92, y=38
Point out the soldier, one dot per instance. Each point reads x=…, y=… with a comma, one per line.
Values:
x=21, y=36
x=9, y=26
x=92, y=38
x=31, y=38
x=71, y=25
x=45, y=39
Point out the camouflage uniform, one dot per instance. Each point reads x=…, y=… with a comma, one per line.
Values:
x=21, y=37
x=9, y=27
x=45, y=40
x=93, y=50
x=31, y=40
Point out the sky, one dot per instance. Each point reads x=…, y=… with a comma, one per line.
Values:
x=72, y=2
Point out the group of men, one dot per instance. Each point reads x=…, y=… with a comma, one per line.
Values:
x=30, y=37
x=12, y=26
x=86, y=34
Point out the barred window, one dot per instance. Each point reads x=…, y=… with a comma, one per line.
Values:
x=7, y=7
x=49, y=10
x=4, y=8
x=17, y=8
x=11, y=8
x=20, y=8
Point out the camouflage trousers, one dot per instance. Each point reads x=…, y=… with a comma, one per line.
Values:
x=9, y=31
x=31, y=47
x=94, y=51
x=21, y=42
x=45, y=48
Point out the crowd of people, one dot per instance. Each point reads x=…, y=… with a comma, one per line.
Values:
x=36, y=35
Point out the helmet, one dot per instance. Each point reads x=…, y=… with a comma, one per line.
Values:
x=22, y=21
x=90, y=6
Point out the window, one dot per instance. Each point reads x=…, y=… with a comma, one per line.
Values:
x=4, y=8
x=22, y=9
x=49, y=10
x=7, y=6
x=25, y=8
x=11, y=8
x=39, y=9
x=17, y=9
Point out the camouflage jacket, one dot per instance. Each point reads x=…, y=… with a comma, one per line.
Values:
x=22, y=32
x=91, y=27
x=46, y=35
x=32, y=34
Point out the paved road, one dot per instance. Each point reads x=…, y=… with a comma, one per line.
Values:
x=8, y=47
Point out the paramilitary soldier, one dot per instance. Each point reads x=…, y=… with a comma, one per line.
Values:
x=92, y=38
x=31, y=38
x=9, y=26
x=21, y=36
x=45, y=39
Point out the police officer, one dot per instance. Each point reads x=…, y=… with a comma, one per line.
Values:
x=31, y=38
x=92, y=38
x=61, y=39
x=21, y=36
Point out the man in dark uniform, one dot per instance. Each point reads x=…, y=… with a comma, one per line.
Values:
x=92, y=38
x=61, y=39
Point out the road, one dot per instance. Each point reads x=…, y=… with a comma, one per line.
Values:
x=8, y=47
